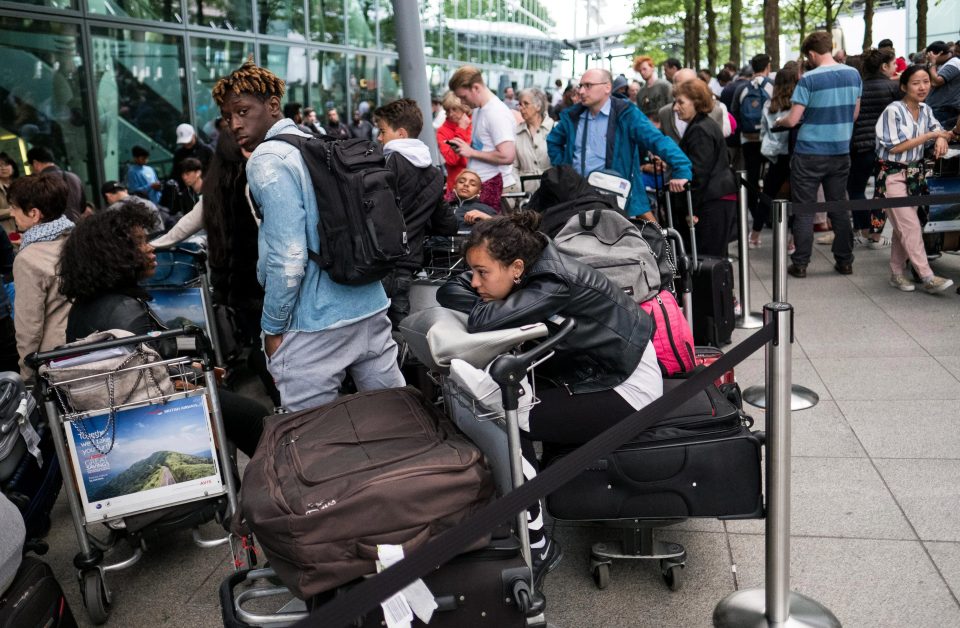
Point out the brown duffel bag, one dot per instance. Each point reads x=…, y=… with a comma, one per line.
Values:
x=327, y=485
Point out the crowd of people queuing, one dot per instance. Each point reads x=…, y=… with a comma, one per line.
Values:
x=815, y=128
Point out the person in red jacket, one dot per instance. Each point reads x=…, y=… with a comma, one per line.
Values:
x=457, y=124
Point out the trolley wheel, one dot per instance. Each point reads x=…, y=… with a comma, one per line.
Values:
x=95, y=596
x=601, y=576
x=672, y=575
x=523, y=601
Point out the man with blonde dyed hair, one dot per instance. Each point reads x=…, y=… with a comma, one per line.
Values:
x=654, y=92
x=492, y=150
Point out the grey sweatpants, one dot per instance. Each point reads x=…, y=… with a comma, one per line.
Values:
x=309, y=367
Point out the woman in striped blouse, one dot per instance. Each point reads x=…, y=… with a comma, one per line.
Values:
x=905, y=128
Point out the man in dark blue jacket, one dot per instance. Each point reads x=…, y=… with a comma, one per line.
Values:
x=613, y=135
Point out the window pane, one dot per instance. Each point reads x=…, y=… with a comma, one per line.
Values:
x=327, y=83
x=41, y=79
x=290, y=64
x=280, y=17
x=362, y=23
x=141, y=92
x=53, y=4
x=390, y=80
x=326, y=21
x=212, y=59
x=388, y=31
x=167, y=11
x=226, y=14
x=363, y=83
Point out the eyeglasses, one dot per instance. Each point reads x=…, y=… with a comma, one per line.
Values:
x=591, y=85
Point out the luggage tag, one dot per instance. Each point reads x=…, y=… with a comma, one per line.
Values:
x=415, y=598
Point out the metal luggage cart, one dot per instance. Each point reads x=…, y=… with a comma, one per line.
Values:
x=189, y=480
x=181, y=293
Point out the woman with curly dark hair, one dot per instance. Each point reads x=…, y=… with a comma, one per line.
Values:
x=100, y=267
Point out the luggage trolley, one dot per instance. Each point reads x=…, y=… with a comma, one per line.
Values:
x=181, y=291
x=187, y=481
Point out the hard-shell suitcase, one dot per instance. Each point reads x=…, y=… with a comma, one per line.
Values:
x=328, y=485
x=711, y=277
x=700, y=461
x=713, y=316
x=35, y=599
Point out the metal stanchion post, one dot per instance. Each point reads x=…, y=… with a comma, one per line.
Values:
x=747, y=319
x=776, y=605
x=801, y=396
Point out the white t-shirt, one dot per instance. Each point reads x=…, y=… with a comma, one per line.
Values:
x=492, y=124
x=645, y=384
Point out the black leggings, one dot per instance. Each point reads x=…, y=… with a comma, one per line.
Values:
x=568, y=419
x=243, y=420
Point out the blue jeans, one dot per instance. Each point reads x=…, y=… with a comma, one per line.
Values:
x=807, y=174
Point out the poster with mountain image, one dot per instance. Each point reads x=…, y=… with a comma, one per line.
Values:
x=162, y=454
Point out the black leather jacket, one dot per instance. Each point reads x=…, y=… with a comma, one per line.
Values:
x=117, y=310
x=612, y=331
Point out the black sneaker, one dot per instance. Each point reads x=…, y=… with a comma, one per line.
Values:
x=545, y=560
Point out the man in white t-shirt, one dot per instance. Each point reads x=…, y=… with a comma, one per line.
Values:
x=493, y=147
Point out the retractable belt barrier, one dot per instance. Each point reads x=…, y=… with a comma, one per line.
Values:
x=857, y=205
x=371, y=592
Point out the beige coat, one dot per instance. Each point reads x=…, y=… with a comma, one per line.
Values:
x=40, y=312
x=532, y=155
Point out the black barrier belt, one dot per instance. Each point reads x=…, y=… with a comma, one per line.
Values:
x=857, y=205
x=371, y=592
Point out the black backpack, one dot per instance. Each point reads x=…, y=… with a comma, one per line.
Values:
x=361, y=227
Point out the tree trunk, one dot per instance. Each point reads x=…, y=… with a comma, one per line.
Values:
x=771, y=31
x=921, y=24
x=736, y=30
x=802, y=20
x=867, y=24
x=697, y=7
x=828, y=16
x=688, y=33
x=711, y=36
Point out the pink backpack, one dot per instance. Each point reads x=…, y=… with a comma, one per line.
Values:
x=672, y=338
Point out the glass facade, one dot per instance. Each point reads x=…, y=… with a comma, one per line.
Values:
x=90, y=79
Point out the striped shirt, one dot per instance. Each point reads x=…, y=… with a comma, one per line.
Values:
x=829, y=95
x=896, y=125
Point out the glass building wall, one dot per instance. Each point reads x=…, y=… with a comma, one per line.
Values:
x=90, y=79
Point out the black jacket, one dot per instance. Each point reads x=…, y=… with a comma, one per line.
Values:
x=421, y=199
x=126, y=310
x=878, y=92
x=462, y=207
x=704, y=144
x=612, y=331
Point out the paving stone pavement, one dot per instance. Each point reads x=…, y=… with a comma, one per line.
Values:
x=876, y=502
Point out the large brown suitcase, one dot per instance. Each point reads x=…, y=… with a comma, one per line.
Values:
x=327, y=485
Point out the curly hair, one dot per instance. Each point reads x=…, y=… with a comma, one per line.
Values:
x=101, y=254
x=508, y=238
x=250, y=79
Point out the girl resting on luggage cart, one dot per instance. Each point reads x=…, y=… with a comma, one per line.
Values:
x=100, y=267
x=605, y=371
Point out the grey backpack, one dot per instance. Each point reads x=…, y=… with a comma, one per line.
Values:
x=607, y=241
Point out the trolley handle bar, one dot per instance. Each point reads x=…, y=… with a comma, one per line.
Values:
x=509, y=369
x=200, y=256
x=34, y=360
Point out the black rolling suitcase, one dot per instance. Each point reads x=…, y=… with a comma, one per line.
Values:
x=711, y=280
x=701, y=460
x=35, y=599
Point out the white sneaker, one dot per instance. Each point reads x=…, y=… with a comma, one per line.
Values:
x=876, y=245
x=902, y=283
x=936, y=284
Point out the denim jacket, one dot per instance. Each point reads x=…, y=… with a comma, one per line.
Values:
x=298, y=296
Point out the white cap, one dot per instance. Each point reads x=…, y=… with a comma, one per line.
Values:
x=185, y=133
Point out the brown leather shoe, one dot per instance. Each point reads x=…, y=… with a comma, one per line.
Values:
x=843, y=269
x=797, y=270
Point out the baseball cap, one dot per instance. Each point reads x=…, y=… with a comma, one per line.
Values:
x=938, y=47
x=185, y=133
x=111, y=187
